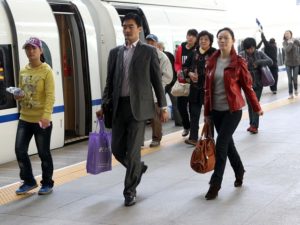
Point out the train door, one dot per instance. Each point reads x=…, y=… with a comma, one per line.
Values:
x=75, y=69
x=122, y=11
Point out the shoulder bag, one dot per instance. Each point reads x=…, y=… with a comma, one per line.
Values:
x=267, y=78
x=180, y=89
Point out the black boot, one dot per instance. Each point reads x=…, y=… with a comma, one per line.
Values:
x=212, y=192
x=239, y=179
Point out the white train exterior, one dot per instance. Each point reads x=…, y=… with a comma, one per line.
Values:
x=77, y=37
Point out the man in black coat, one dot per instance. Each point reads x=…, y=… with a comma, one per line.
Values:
x=133, y=69
x=271, y=50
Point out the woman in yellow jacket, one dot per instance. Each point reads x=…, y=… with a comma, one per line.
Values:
x=36, y=100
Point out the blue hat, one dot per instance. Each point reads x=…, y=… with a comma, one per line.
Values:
x=152, y=37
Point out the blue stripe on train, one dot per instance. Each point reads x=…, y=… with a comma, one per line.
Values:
x=59, y=109
x=9, y=117
x=56, y=109
x=96, y=102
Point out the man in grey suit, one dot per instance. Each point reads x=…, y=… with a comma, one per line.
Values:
x=133, y=69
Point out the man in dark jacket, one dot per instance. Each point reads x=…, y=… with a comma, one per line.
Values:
x=271, y=50
x=255, y=60
x=182, y=53
x=194, y=70
x=133, y=69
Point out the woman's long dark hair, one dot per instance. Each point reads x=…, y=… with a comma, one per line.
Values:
x=42, y=58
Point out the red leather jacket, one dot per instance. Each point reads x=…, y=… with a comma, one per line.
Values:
x=236, y=77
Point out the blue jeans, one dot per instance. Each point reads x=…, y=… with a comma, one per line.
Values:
x=292, y=73
x=253, y=116
x=225, y=123
x=42, y=139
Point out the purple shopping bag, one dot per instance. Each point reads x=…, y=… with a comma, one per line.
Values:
x=99, y=151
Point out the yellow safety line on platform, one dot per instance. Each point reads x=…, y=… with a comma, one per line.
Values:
x=73, y=172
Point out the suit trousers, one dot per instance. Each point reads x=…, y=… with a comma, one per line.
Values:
x=226, y=123
x=156, y=125
x=127, y=136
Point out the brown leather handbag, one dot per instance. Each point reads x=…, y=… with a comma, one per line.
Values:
x=204, y=155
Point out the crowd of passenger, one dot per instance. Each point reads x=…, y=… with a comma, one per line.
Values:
x=215, y=78
x=140, y=74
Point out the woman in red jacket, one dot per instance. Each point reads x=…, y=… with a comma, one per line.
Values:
x=226, y=75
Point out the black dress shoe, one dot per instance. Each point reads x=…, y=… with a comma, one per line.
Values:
x=239, y=179
x=129, y=200
x=212, y=192
x=143, y=170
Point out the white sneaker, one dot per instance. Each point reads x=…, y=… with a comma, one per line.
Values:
x=291, y=96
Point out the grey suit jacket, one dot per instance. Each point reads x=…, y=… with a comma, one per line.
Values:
x=144, y=73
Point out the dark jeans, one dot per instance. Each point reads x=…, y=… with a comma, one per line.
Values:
x=253, y=116
x=42, y=139
x=274, y=71
x=226, y=123
x=127, y=136
x=182, y=104
x=195, y=110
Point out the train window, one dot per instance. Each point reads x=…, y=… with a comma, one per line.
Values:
x=6, y=77
x=47, y=54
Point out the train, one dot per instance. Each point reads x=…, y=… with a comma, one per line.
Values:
x=77, y=36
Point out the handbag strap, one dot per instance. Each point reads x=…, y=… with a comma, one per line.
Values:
x=206, y=131
x=102, y=126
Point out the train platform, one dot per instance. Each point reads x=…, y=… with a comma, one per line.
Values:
x=170, y=191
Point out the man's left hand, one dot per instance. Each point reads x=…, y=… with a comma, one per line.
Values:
x=164, y=116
